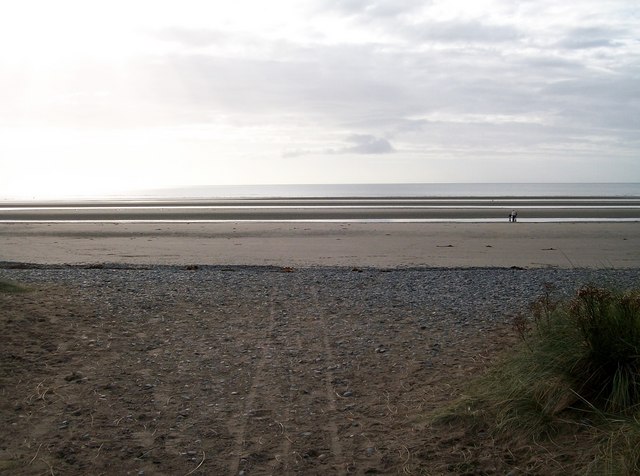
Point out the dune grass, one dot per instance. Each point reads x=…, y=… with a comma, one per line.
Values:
x=576, y=370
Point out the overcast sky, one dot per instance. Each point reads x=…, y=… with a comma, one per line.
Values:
x=107, y=96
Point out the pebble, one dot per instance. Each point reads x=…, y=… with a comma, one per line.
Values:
x=499, y=287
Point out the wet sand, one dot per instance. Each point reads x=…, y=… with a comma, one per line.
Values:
x=531, y=245
x=361, y=209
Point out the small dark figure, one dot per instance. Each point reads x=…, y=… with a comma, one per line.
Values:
x=515, y=216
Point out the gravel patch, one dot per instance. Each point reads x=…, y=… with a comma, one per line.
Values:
x=465, y=296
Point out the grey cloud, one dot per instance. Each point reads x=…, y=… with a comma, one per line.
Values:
x=396, y=16
x=593, y=101
x=600, y=88
x=360, y=144
x=373, y=8
x=355, y=88
x=322, y=85
x=367, y=144
x=591, y=37
x=363, y=87
x=551, y=64
x=336, y=82
x=465, y=31
x=581, y=44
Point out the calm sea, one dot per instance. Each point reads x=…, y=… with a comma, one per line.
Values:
x=397, y=190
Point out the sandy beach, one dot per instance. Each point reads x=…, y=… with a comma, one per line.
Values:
x=276, y=347
x=530, y=245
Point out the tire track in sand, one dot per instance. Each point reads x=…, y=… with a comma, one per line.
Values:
x=276, y=335
x=264, y=408
x=332, y=406
x=258, y=378
x=284, y=463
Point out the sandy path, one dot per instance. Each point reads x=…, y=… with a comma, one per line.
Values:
x=282, y=379
x=567, y=245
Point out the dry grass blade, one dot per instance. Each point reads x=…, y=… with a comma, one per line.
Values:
x=196, y=468
x=36, y=455
x=98, y=452
x=49, y=465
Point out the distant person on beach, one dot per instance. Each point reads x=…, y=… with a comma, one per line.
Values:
x=514, y=216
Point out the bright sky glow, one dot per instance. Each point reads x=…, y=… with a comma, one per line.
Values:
x=100, y=97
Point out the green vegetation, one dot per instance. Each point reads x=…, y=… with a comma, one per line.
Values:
x=576, y=372
x=9, y=287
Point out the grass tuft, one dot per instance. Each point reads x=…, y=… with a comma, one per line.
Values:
x=586, y=350
x=608, y=371
x=577, y=368
x=9, y=287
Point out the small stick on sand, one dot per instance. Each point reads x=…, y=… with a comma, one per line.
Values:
x=196, y=468
x=147, y=452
